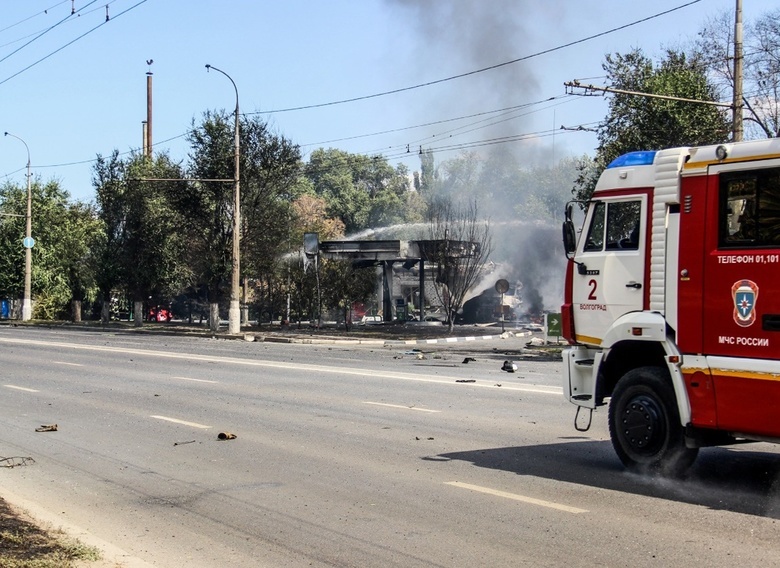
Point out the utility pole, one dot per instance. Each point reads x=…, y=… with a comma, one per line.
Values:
x=234, y=311
x=28, y=241
x=737, y=118
x=148, y=129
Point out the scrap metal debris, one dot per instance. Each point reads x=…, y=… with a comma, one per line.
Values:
x=469, y=359
x=16, y=461
x=182, y=443
x=226, y=436
x=466, y=380
x=47, y=428
x=509, y=367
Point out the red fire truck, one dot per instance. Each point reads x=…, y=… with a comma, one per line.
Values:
x=672, y=302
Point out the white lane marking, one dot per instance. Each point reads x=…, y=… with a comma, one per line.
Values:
x=516, y=497
x=66, y=363
x=184, y=422
x=368, y=374
x=401, y=406
x=20, y=388
x=196, y=380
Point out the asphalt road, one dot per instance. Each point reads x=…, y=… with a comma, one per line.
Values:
x=353, y=456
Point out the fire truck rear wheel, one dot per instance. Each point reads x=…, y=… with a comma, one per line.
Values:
x=644, y=423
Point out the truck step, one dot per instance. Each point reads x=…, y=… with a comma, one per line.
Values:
x=584, y=362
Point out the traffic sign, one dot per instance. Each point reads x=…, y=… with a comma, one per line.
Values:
x=28, y=242
x=502, y=286
x=554, y=327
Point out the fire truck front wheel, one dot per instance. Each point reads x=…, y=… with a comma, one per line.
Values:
x=644, y=423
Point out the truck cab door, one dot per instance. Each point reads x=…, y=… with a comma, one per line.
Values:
x=741, y=306
x=610, y=279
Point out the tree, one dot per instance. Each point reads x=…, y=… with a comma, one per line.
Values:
x=269, y=170
x=62, y=232
x=635, y=122
x=271, y=180
x=457, y=182
x=108, y=180
x=77, y=257
x=363, y=191
x=343, y=285
x=153, y=247
x=541, y=192
x=761, y=67
x=309, y=215
x=461, y=246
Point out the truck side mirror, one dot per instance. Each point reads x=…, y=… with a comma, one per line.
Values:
x=569, y=234
x=569, y=237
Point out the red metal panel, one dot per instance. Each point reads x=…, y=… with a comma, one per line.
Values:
x=701, y=395
x=567, y=317
x=731, y=275
x=747, y=404
x=691, y=263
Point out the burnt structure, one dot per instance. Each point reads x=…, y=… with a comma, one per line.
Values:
x=389, y=252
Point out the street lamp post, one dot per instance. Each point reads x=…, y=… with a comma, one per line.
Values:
x=234, y=314
x=27, y=302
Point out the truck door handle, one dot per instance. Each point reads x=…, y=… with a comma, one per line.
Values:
x=771, y=322
x=632, y=284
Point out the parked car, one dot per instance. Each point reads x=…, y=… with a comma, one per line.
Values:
x=158, y=313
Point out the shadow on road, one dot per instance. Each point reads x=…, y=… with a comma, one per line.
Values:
x=731, y=479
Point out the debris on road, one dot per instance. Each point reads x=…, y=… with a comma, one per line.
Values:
x=509, y=367
x=226, y=436
x=47, y=428
x=16, y=461
x=182, y=443
x=465, y=380
x=469, y=360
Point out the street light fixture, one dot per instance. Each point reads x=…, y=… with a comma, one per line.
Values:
x=234, y=313
x=28, y=242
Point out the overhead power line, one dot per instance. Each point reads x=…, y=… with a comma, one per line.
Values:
x=44, y=11
x=385, y=93
x=40, y=35
x=45, y=57
x=482, y=70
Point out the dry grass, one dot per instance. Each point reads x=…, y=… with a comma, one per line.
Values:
x=23, y=544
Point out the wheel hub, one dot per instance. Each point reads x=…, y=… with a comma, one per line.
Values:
x=642, y=425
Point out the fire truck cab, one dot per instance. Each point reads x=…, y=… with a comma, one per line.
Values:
x=672, y=301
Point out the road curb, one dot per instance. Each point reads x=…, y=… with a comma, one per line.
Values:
x=387, y=342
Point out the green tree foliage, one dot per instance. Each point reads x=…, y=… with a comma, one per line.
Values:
x=505, y=190
x=63, y=233
x=78, y=246
x=362, y=191
x=153, y=246
x=635, y=122
x=139, y=249
x=108, y=180
x=269, y=174
x=343, y=284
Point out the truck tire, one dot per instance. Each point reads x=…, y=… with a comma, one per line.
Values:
x=644, y=424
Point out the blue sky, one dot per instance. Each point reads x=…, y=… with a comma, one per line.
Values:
x=79, y=89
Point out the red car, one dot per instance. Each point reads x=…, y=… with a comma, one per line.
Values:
x=160, y=314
